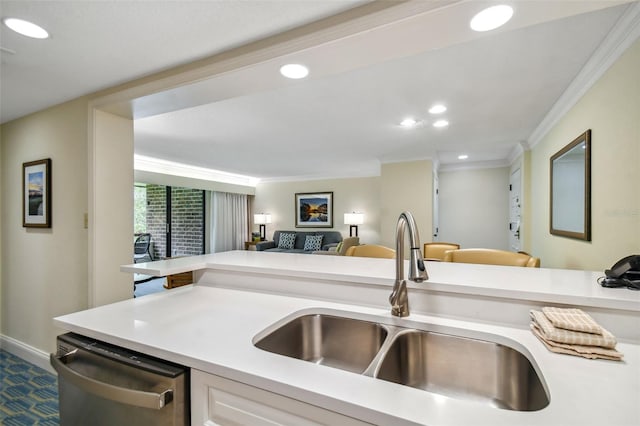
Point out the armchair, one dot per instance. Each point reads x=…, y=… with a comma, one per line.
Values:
x=491, y=257
x=371, y=250
x=436, y=250
x=341, y=248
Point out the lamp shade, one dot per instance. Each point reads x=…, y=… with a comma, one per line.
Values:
x=353, y=218
x=262, y=218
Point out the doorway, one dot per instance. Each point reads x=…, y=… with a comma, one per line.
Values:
x=436, y=208
x=515, y=210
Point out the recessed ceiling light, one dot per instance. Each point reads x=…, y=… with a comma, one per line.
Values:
x=441, y=123
x=26, y=28
x=294, y=71
x=437, y=109
x=491, y=18
x=409, y=122
x=463, y=157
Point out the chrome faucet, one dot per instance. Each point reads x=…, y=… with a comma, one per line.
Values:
x=417, y=271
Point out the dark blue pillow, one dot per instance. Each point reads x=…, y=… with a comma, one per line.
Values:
x=287, y=241
x=313, y=242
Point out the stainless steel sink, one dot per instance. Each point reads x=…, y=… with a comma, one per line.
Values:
x=334, y=341
x=454, y=366
x=463, y=368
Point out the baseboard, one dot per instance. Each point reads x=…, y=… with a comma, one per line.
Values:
x=28, y=353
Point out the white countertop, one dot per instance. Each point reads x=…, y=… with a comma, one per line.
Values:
x=541, y=284
x=211, y=329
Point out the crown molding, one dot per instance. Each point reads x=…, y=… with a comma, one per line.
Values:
x=367, y=173
x=156, y=165
x=620, y=38
x=520, y=148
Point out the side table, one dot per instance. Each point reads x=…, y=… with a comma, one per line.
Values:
x=250, y=245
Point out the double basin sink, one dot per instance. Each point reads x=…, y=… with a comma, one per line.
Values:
x=450, y=365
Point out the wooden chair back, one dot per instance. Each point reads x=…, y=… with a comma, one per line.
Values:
x=371, y=250
x=491, y=257
x=436, y=250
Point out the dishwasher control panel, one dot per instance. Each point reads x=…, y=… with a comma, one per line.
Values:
x=70, y=341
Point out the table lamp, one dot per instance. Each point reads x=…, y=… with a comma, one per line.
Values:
x=262, y=219
x=353, y=220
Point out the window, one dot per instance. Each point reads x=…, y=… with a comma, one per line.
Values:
x=174, y=216
x=139, y=208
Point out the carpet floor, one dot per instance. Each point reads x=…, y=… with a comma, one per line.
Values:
x=150, y=287
x=28, y=394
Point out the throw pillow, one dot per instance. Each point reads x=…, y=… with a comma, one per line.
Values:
x=313, y=242
x=286, y=241
x=339, y=246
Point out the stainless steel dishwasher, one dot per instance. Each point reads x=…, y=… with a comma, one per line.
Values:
x=102, y=384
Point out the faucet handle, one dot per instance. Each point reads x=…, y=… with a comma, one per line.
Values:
x=399, y=299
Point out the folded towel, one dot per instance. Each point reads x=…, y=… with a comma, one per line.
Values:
x=590, y=352
x=572, y=319
x=559, y=335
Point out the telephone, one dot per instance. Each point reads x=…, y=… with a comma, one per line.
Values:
x=624, y=273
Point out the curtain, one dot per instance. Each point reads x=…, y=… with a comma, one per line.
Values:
x=229, y=221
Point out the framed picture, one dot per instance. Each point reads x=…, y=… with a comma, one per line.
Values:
x=314, y=210
x=36, y=194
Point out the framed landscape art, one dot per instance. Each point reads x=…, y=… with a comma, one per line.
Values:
x=314, y=210
x=36, y=194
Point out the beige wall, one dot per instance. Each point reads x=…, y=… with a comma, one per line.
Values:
x=406, y=186
x=44, y=271
x=401, y=186
x=110, y=208
x=611, y=109
x=355, y=194
x=474, y=207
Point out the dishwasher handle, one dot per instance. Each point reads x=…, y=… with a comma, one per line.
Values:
x=136, y=398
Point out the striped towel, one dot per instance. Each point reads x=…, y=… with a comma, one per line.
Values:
x=572, y=319
x=591, y=352
x=559, y=335
x=578, y=343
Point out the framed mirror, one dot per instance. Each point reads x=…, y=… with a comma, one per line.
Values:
x=570, y=192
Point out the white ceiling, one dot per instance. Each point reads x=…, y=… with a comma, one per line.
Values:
x=497, y=87
x=96, y=44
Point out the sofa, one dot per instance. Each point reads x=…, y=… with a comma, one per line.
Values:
x=329, y=239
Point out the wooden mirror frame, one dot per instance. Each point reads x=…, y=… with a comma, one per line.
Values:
x=585, y=234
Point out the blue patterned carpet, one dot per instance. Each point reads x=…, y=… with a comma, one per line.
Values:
x=28, y=394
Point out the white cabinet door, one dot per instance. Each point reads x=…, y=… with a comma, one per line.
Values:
x=216, y=401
